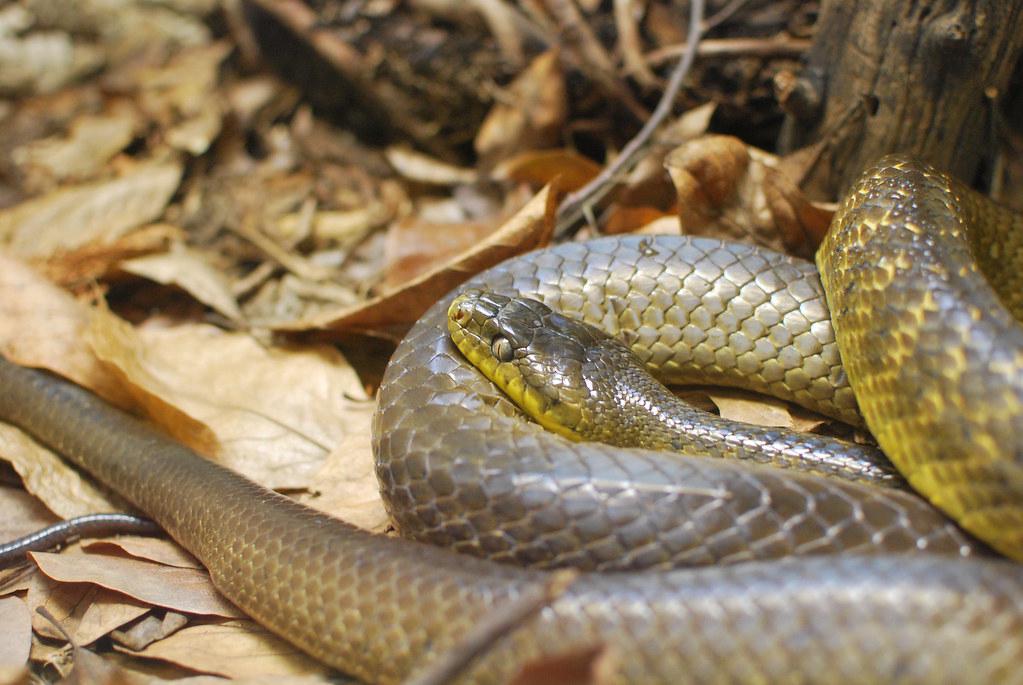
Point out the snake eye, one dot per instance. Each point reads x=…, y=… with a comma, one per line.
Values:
x=502, y=349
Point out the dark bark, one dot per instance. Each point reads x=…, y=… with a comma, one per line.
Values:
x=901, y=76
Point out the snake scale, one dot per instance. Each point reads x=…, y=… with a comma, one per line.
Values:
x=459, y=466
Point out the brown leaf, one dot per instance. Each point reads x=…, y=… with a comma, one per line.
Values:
x=393, y=312
x=728, y=190
x=625, y=219
x=422, y=168
x=564, y=169
x=592, y=666
x=272, y=414
x=160, y=550
x=347, y=485
x=234, y=649
x=15, y=633
x=415, y=246
x=50, y=478
x=91, y=140
x=189, y=270
x=762, y=411
x=149, y=629
x=530, y=114
x=94, y=213
x=82, y=266
x=180, y=589
x=21, y=514
x=107, y=611
x=41, y=325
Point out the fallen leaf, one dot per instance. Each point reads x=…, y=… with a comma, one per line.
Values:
x=196, y=134
x=531, y=113
x=235, y=649
x=92, y=669
x=15, y=633
x=91, y=140
x=728, y=190
x=21, y=514
x=180, y=589
x=60, y=486
x=99, y=212
x=160, y=550
x=81, y=267
x=189, y=270
x=43, y=326
x=762, y=411
x=415, y=246
x=422, y=168
x=347, y=485
x=107, y=611
x=565, y=170
x=149, y=629
x=63, y=602
x=391, y=313
x=272, y=414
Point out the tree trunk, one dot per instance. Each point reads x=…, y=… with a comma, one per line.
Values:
x=901, y=76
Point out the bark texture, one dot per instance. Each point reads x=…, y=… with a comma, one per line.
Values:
x=901, y=76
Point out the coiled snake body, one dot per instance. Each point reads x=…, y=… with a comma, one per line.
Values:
x=459, y=466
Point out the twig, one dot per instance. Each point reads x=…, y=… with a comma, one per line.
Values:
x=743, y=47
x=575, y=204
x=723, y=15
x=495, y=625
x=593, y=58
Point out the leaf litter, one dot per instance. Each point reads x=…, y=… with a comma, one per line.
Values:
x=181, y=232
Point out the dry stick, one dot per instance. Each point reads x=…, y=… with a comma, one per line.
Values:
x=499, y=622
x=726, y=47
x=723, y=15
x=577, y=203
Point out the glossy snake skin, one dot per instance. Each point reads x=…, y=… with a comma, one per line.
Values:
x=379, y=608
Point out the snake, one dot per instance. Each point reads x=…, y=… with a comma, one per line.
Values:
x=698, y=569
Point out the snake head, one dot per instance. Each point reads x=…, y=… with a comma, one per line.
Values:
x=554, y=368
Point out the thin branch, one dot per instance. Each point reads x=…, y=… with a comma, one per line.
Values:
x=576, y=203
x=501, y=621
x=739, y=47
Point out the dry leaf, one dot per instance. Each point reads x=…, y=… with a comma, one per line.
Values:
x=189, y=270
x=273, y=414
x=347, y=482
x=64, y=602
x=15, y=633
x=195, y=135
x=180, y=589
x=106, y=611
x=95, y=213
x=625, y=219
x=92, y=669
x=565, y=170
x=393, y=312
x=235, y=649
x=415, y=246
x=91, y=140
x=160, y=550
x=728, y=190
x=48, y=477
x=762, y=411
x=530, y=115
x=150, y=629
x=85, y=265
x=420, y=167
x=21, y=514
x=43, y=61
x=41, y=325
